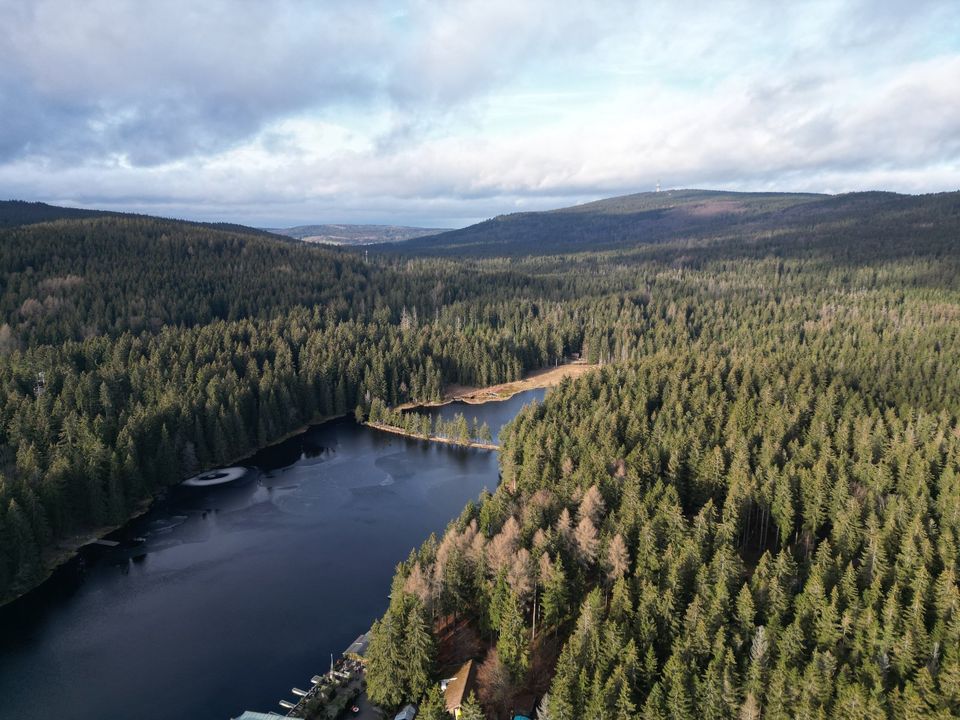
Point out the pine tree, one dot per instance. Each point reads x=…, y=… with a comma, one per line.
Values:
x=471, y=710
x=513, y=645
x=419, y=649
x=555, y=601
x=432, y=706
x=386, y=663
x=483, y=433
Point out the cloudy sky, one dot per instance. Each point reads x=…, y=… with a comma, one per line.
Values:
x=442, y=113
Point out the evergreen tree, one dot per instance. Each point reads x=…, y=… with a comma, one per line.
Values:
x=513, y=644
x=471, y=709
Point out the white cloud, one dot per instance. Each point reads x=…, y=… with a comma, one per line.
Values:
x=452, y=111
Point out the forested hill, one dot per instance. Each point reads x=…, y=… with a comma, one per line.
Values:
x=75, y=279
x=702, y=215
x=71, y=279
x=19, y=212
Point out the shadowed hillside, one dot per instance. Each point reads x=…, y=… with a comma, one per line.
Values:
x=691, y=215
x=20, y=212
x=614, y=222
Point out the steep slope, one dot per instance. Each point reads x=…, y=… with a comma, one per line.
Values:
x=749, y=511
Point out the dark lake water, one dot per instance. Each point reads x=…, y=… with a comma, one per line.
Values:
x=238, y=592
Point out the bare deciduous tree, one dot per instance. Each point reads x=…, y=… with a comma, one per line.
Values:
x=586, y=539
x=592, y=506
x=618, y=559
x=520, y=574
x=503, y=546
x=418, y=583
x=546, y=568
x=494, y=684
x=564, y=526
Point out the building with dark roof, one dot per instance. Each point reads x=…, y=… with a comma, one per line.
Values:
x=358, y=648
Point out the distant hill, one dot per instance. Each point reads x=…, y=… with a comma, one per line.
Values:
x=691, y=215
x=20, y=212
x=16, y=213
x=690, y=227
x=104, y=275
x=614, y=222
x=356, y=234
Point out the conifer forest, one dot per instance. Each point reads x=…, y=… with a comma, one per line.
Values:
x=750, y=509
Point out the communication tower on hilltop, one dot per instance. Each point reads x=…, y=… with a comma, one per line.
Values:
x=658, y=186
x=41, y=384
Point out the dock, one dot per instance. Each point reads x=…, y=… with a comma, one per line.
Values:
x=345, y=673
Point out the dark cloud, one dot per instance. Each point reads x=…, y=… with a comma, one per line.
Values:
x=159, y=81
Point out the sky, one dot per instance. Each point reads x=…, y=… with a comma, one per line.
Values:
x=443, y=113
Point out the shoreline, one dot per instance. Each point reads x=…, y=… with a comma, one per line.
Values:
x=542, y=378
x=68, y=548
x=432, y=438
x=283, y=438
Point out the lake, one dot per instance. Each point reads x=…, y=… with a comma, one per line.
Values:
x=222, y=598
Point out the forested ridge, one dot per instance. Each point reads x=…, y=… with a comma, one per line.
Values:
x=17, y=213
x=698, y=217
x=751, y=511
x=167, y=348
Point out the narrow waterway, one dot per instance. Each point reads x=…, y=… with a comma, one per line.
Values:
x=222, y=598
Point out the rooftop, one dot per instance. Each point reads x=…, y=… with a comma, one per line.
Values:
x=359, y=646
x=460, y=686
x=408, y=713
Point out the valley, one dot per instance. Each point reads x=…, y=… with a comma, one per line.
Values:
x=756, y=446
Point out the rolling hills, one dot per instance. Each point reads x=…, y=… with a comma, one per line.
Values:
x=355, y=234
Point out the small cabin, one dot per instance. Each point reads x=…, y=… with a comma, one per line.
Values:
x=358, y=648
x=457, y=689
